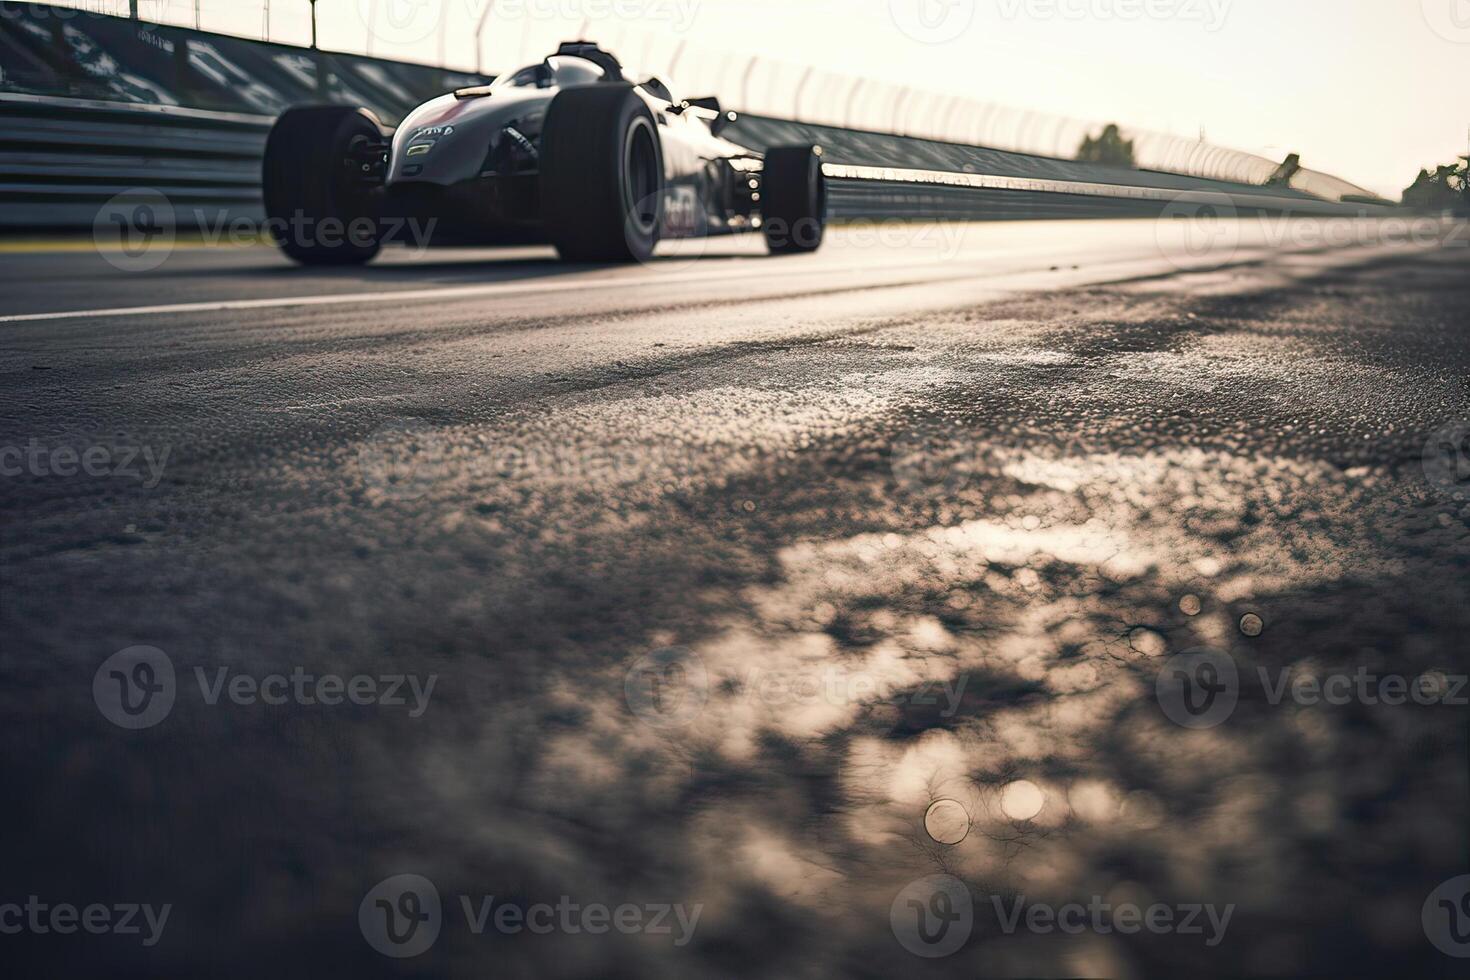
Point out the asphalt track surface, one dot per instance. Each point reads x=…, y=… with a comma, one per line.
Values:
x=919, y=518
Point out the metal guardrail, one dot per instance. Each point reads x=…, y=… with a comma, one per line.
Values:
x=62, y=160
x=885, y=191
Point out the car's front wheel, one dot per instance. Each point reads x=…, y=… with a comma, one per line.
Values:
x=794, y=200
x=602, y=174
x=319, y=211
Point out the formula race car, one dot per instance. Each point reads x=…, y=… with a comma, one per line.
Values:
x=570, y=152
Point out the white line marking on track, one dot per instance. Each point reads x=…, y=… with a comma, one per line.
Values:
x=453, y=292
x=1098, y=270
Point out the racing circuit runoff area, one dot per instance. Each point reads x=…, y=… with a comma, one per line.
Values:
x=1071, y=598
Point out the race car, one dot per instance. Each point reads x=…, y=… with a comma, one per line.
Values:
x=571, y=152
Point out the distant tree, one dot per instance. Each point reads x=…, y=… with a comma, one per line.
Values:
x=1109, y=149
x=1447, y=188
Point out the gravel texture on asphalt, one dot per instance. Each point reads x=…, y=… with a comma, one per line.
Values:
x=723, y=588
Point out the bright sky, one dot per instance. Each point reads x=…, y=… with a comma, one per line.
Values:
x=1369, y=90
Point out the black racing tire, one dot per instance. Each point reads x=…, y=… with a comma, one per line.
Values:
x=317, y=215
x=793, y=200
x=602, y=174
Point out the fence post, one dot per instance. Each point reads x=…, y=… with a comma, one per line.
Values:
x=480, y=37
x=316, y=54
x=443, y=35
x=678, y=53
x=796, y=99
x=183, y=73
x=745, y=86
x=851, y=111
x=897, y=124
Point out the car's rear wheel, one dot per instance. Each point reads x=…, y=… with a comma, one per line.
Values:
x=794, y=200
x=602, y=174
x=320, y=211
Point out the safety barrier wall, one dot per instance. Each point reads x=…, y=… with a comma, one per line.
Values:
x=63, y=160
